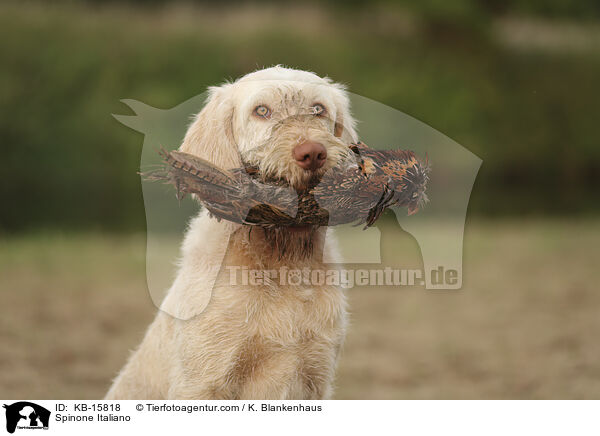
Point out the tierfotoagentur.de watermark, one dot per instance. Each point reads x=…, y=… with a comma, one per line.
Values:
x=346, y=278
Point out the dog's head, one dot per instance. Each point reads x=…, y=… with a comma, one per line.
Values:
x=293, y=125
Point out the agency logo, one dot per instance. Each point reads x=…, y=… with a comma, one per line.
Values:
x=26, y=415
x=430, y=241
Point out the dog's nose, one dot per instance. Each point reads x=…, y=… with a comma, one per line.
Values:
x=310, y=155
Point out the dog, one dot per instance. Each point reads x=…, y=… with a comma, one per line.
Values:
x=273, y=340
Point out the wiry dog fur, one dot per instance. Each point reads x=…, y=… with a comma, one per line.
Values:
x=271, y=341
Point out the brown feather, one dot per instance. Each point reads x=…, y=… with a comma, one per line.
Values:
x=357, y=193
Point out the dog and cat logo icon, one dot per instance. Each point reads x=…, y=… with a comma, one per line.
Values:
x=26, y=415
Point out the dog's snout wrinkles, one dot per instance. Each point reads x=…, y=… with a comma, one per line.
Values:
x=310, y=155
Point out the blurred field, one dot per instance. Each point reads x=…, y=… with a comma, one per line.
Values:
x=515, y=82
x=525, y=325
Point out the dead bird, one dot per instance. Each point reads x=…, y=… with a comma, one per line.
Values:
x=357, y=192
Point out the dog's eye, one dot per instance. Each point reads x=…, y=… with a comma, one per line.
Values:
x=317, y=109
x=262, y=111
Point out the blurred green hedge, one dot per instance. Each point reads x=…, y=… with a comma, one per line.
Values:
x=522, y=98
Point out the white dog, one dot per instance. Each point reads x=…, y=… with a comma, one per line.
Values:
x=268, y=341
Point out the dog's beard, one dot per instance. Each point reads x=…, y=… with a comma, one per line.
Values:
x=272, y=160
x=300, y=183
x=288, y=243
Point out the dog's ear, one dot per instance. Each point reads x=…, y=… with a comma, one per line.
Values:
x=210, y=136
x=345, y=124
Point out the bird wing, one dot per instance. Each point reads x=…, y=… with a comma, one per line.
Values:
x=231, y=195
x=349, y=194
x=356, y=192
x=407, y=177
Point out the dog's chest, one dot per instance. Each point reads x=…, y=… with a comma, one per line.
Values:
x=292, y=341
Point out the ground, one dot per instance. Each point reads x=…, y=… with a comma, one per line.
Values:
x=525, y=325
